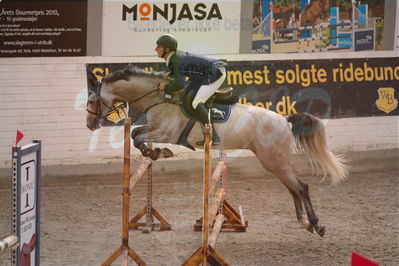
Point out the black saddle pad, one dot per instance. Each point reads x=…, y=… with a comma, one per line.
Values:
x=220, y=113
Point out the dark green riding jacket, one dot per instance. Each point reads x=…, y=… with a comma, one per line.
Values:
x=198, y=69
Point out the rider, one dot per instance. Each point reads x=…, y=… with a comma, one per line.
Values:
x=205, y=75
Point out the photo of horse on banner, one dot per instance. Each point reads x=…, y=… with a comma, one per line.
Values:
x=312, y=26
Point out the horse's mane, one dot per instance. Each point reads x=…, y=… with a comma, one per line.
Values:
x=129, y=71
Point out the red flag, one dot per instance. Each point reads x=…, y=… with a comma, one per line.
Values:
x=358, y=260
x=18, y=137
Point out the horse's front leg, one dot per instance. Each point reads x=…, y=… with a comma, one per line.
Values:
x=143, y=134
x=139, y=142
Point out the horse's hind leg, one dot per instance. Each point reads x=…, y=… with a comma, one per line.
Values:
x=277, y=165
x=273, y=149
x=300, y=212
x=300, y=193
x=297, y=190
x=313, y=219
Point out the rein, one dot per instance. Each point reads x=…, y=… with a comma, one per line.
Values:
x=145, y=95
x=153, y=105
x=98, y=106
x=172, y=102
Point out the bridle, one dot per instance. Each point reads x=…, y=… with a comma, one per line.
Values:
x=98, y=111
x=100, y=100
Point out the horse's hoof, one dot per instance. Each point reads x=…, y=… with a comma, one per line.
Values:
x=154, y=154
x=146, y=153
x=309, y=228
x=166, y=153
x=305, y=223
x=321, y=230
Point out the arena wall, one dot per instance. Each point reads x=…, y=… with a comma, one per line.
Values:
x=45, y=98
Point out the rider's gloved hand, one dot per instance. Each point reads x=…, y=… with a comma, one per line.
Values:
x=161, y=86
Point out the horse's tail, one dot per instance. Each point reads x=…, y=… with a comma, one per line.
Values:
x=310, y=138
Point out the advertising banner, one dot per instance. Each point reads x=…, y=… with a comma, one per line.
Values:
x=206, y=27
x=43, y=28
x=261, y=46
x=302, y=26
x=327, y=88
x=364, y=40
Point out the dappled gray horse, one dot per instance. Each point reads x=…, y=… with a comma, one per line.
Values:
x=267, y=134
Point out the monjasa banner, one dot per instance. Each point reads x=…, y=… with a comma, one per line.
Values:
x=330, y=88
x=207, y=27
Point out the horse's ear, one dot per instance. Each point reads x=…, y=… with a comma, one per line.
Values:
x=92, y=81
x=130, y=67
x=167, y=75
x=90, y=93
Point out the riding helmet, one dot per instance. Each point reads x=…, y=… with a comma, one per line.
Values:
x=167, y=41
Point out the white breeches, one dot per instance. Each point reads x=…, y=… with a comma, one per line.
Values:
x=206, y=91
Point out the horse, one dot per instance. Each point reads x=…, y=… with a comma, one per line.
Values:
x=285, y=18
x=313, y=13
x=281, y=18
x=267, y=134
x=280, y=23
x=316, y=10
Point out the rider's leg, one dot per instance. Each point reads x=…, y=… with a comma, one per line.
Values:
x=204, y=93
x=207, y=90
x=203, y=114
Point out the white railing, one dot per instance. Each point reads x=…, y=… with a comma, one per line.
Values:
x=264, y=27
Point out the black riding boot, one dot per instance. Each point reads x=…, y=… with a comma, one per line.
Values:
x=202, y=112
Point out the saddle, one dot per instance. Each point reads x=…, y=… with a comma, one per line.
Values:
x=224, y=94
x=223, y=98
x=220, y=105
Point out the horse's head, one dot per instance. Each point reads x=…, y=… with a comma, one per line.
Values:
x=131, y=84
x=97, y=106
x=93, y=111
